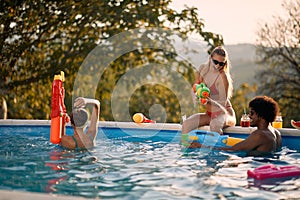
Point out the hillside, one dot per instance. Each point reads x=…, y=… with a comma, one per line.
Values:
x=242, y=57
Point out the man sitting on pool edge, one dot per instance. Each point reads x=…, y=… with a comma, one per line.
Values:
x=82, y=139
x=265, y=139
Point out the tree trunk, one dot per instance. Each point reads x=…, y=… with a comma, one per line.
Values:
x=3, y=109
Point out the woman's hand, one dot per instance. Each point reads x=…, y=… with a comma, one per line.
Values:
x=80, y=102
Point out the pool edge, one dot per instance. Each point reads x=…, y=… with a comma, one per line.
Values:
x=24, y=195
x=160, y=126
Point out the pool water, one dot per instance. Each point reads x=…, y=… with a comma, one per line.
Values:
x=134, y=167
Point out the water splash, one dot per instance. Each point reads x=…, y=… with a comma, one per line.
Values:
x=217, y=104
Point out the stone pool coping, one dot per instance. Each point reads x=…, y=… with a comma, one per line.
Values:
x=160, y=126
x=21, y=195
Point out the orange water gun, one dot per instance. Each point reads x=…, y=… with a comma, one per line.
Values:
x=59, y=116
x=202, y=92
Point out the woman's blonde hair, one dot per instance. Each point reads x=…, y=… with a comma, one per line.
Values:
x=221, y=51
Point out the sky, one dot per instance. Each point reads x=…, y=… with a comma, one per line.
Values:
x=236, y=20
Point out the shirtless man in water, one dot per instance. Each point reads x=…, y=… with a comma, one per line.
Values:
x=265, y=139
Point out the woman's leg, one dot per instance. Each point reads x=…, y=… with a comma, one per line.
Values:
x=195, y=121
x=223, y=120
x=217, y=123
x=231, y=119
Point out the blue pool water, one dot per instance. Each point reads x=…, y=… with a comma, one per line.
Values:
x=135, y=164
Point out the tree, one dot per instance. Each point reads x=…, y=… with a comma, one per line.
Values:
x=41, y=38
x=279, y=53
x=241, y=99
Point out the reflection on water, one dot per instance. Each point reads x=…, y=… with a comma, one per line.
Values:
x=131, y=170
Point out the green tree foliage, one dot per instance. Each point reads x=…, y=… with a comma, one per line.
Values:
x=279, y=53
x=241, y=99
x=40, y=38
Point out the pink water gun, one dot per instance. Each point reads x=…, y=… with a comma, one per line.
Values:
x=272, y=171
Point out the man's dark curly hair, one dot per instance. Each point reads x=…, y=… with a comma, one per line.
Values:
x=265, y=107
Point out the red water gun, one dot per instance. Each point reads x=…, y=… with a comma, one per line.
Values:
x=59, y=116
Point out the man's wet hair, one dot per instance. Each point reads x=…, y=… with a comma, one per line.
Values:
x=79, y=117
x=265, y=107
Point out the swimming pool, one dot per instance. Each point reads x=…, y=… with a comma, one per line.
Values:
x=134, y=162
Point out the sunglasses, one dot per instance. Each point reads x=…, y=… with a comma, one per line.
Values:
x=219, y=63
x=252, y=112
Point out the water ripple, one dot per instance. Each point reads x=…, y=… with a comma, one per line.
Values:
x=118, y=169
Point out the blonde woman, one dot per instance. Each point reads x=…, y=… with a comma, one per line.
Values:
x=219, y=112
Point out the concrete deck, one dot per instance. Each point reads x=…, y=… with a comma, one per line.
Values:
x=19, y=195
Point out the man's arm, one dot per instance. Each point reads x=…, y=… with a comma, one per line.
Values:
x=93, y=128
x=252, y=142
x=95, y=114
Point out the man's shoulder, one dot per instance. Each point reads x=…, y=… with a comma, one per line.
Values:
x=257, y=132
x=265, y=133
x=260, y=133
